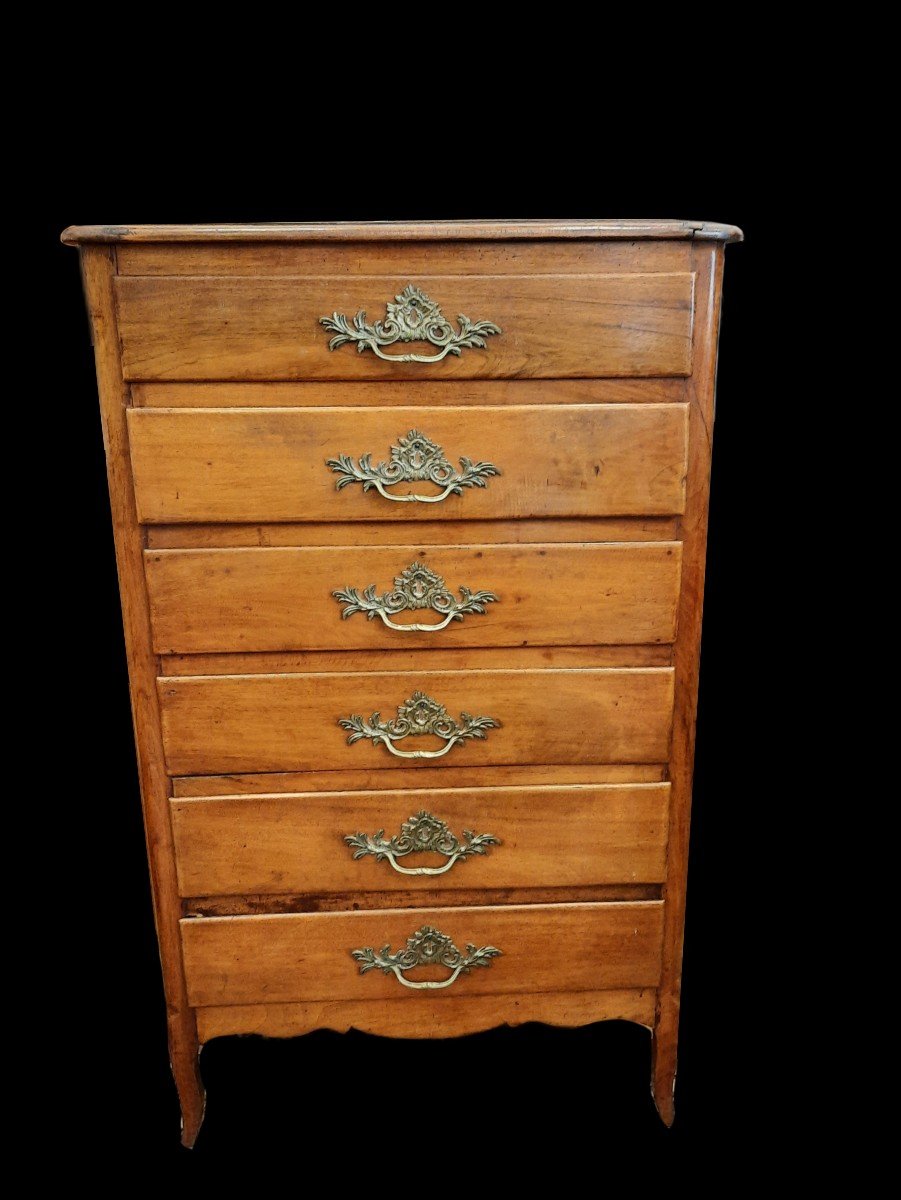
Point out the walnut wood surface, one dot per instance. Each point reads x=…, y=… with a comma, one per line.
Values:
x=554, y=947
x=401, y=659
x=430, y=1017
x=270, y=464
x=451, y=776
x=551, y=837
x=709, y=266
x=413, y=259
x=98, y=274
x=210, y=601
x=255, y=904
x=420, y=533
x=234, y=404
x=387, y=231
x=387, y=393
x=258, y=327
x=221, y=723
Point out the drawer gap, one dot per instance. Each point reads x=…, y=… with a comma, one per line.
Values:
x=234, y=906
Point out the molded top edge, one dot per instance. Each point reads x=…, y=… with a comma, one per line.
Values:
x=403, y=231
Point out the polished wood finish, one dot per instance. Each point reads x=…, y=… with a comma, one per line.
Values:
x=402, y=659
x=430, y=1017
x=220, y=405
x=209, y=601
x=257, y=327
x=254, y=904
x=387, y=393
x=414, y=259
x=221, y=723
x=262, y=783
x=270, y=464
x=423, y=533
x=98, y=273
x=709, y=265
x=554, y=947
x=552, y=837
x=404, y=231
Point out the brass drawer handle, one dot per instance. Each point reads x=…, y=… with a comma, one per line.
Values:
x=412, y=318
x=427, y=947
x=417, y=716
x=415, y=458
x=423, y=833
x=415, y=588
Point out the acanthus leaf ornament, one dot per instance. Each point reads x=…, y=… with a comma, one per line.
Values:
x=422, y=833
x=414, y=317
x=417, y=587
x=416, y=717
x=414, y=458
x=425, y=948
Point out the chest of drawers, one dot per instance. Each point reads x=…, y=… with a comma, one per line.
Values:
x=410, y=525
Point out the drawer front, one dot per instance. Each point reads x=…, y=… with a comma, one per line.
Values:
x=208, y=601
x=513, y=326
x=356, y=464
x=544, y=948
x=216, y=724
x=518, y=837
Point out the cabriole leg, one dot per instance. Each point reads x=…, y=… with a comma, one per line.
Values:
x=663, y=1068
x=184, y=1055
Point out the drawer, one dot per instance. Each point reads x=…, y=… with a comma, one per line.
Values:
x=219, y=723
x=553, y=326
x=254, y=599
x=519, y=837
x=369, y=464
x=543, y=948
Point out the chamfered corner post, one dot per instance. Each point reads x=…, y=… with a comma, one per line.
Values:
x=707, y=267
x=99, y=272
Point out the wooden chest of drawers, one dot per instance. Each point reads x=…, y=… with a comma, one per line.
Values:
x=410, y=524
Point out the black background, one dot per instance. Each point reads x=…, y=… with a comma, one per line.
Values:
x=478, y=1105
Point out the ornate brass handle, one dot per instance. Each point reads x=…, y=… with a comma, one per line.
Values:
x=414, y=458
x=412, y=318
x=427, y=947
x=417, y=716
x=415, y=588
x=422, y=833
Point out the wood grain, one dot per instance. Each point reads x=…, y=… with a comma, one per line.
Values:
x=97, y=273
x=221, y=723
x=402, y=231
x=709, y=265
x=429, y=1017
x=520, y=658
x=597, y=403
x=423, y=533
x=554, y=947
x=429, y=393
x=257, y=327
x=253, y=904
x=270, y=464
x=410, y=259
x=210, y=601
x=550, y=837
x=451, y=776
x=401, y=659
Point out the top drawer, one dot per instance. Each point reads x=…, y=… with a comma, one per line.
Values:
x=541, y=326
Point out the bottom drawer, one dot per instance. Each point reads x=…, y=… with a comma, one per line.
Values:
x=317, y=957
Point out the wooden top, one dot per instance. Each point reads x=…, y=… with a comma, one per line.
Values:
x=404, y=231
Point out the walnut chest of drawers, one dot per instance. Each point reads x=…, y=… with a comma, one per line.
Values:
x=410, y=524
